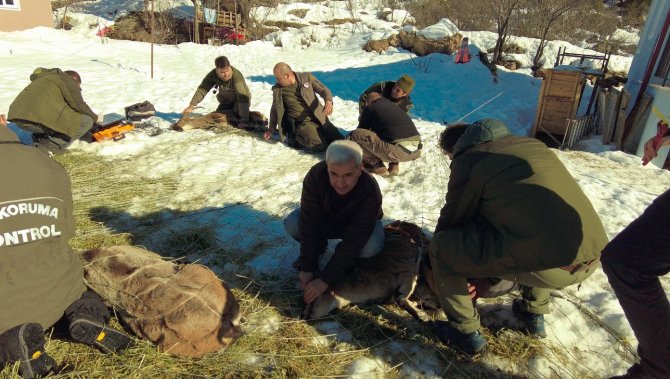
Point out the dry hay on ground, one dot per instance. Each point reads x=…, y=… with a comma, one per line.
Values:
x=276, y=343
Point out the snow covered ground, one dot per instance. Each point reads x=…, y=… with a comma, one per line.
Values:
x=218, y=170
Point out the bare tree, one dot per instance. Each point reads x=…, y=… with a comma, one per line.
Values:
x=254, y=21
x=429, y=12
x=544, y=15
x=467, y=14
x=503, y=13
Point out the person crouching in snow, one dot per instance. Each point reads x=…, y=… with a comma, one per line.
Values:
x=513, y=212
x=386, y=134
x=41, y=279
x=230, y=88
x=51, y=107
x=339, y=201
x=397, y=92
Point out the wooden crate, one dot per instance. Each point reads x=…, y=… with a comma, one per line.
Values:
x=558, y=101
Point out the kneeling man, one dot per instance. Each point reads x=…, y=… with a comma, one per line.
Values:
x=52, y=108
x=514, y=212
x=41, y=278
x=339, y=201
x=386, y=134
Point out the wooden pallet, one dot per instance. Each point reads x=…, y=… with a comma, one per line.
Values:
x=557, y=103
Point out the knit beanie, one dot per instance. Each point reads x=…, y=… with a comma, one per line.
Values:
x=405, y=83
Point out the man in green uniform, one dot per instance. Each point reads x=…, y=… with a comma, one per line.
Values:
x=513, y=212
x=397, y=92
x=297, y=111
x=52, y=108
x=41, y=279
x=230, y=88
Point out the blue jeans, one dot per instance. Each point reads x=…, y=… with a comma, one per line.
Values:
x=371, y=248
x=25, y=136
x=60, y=139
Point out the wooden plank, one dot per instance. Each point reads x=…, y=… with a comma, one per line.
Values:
x=540, y=107
x=602, y=100
x=554, y=120
x=621, y=118
x=562, y=89
x=611, y=110
x=558, y=101
x=632, y=139
x=605, y=119
x=229, y=19
x=565, y=81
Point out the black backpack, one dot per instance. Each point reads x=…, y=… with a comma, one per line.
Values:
x=140, y=111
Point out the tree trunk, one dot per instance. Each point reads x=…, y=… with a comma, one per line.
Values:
x=540, y=49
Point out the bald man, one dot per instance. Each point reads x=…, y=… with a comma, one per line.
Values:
x=297, y=112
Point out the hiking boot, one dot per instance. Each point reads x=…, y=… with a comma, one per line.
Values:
x=44, y=143
x=470, y=343
x=25, y=344
x=394, y=168
x=377, y=168
x=99, y=335
x=530, y=323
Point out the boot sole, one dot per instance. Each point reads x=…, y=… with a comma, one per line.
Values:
x=104, y=338
x=34, y=360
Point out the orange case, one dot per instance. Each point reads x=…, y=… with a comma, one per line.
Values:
x=115, y=132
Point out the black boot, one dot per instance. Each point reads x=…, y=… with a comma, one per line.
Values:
x=97, y=334
x=25, y=344
x=88, y=323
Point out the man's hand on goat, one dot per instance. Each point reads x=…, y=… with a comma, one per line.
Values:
x=478, y=287
x=305, y=277
x=314, y=289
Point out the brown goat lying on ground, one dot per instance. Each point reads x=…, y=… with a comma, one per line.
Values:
x=390, y=275
x=220, y=120
x=183, y=308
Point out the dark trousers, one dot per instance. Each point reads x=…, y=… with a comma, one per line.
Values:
x=41, y=132
x=309, y=135
x=633, y=261
x=376, y=150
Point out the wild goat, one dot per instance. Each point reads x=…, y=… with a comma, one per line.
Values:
x=219, y=120
x=183, y=308
x=390, y=275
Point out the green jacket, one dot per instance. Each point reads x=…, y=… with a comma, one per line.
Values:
x=52, y=99
x=385, y=88
x=309, y=87
x=40, y=276
x=511, y=206
x=229, y=92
